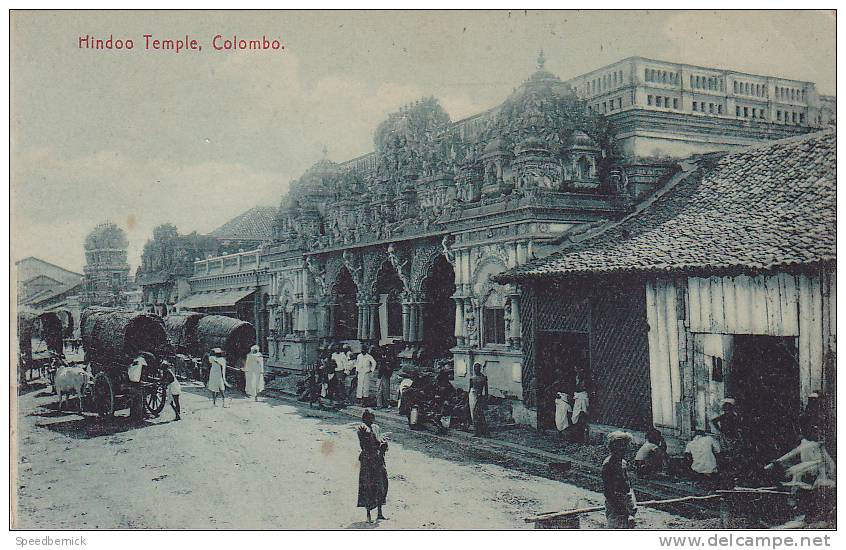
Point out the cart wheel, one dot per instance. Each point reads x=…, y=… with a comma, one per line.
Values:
x=104, y=395
x=155, y=398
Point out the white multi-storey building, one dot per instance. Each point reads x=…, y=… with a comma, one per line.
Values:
x=660, y=108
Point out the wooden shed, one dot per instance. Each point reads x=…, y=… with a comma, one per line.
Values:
x=735, y=266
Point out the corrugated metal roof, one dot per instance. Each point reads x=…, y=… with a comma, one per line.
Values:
x=763, y=207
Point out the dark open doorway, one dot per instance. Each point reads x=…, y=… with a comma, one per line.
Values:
x=439, y=311
x=764, y=379
x=346, y=312
x=388, y=289
x=559, y=354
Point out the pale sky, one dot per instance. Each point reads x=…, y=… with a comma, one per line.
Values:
x=143, y=137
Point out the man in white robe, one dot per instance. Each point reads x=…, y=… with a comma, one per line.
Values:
x=254, y=373
x=365, y=364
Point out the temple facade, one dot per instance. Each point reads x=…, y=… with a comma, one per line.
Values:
x=400, y=245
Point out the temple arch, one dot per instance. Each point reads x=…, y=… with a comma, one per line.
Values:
x=388, y=292
x=438, y=311
x=344, y=317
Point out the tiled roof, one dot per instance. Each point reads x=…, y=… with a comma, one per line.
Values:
x=256, y=223
x=766, y=206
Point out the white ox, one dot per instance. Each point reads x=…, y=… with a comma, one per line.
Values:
x=72, y=379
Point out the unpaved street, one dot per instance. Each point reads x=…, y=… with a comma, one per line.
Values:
x=258, y=465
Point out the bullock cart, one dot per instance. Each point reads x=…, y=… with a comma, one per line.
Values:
x=195, y=334
x=112, y=340
x=40, y=344
x=181, y=330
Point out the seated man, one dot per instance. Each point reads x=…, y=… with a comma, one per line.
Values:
x=815, y=467
x=701, y=454
x=651, y=458
x=812, y=478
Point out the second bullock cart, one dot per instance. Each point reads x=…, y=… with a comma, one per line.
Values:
x=195, y=334
x=113, y=339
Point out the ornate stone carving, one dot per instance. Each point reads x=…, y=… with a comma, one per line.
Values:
x=319, y=275
x=447, y=250
x=399, y=266
x=421, y=264
x=351, y=262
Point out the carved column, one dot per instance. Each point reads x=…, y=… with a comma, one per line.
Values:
x=331, y=312
x=516, y=326
x=468, y=271
x=360, y=310
x=406, y=322
x=459, y=321
x=374, y=312
x=420, y=317
x=412, y=322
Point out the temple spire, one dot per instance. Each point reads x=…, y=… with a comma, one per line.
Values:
x=541, y=60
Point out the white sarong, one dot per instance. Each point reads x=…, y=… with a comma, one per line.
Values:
x=580, y=405
x=254, y=374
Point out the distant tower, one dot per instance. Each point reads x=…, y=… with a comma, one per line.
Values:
x=106, y=269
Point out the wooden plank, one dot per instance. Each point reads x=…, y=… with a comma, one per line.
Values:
x=700, y=376
x=705, y=304
x=657, y=386
x=729, y=305
x=775, y=323
x=673, y=346
x=717, y=319
x=743, y=304
x=816, y=340
x=804, y=337
x=759, y=305
x=789, y=303
x=694, y=310
x=663, y=352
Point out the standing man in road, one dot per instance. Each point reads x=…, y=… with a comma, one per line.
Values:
x=477, y=400
x=620, y=503
x=372, y=475
x=384, y=369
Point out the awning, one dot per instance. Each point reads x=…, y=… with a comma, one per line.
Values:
x=213, y=299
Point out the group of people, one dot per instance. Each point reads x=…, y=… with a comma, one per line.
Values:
x=726, y=456
x=253, y=374
x=572, y=406
x=342, y=376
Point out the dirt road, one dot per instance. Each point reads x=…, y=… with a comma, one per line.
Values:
x=260, y=465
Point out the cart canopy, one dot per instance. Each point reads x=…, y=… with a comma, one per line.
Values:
x=182, y=332
x=234, y=336
x=118, y=335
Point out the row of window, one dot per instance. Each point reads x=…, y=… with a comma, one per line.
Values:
x=792, y=94
x=662, y=101
x=606, y=106
x=789, y=117
x=748, y=88
x=666, y=77
x=700, y=82
x=713, y=108
x=605, y=82
x=749, y=112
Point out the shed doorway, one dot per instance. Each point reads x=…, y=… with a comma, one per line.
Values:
x=559, y=354
x=764, y=379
